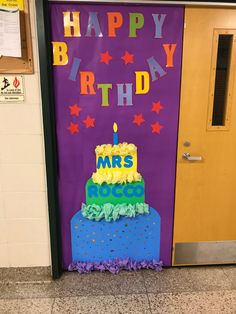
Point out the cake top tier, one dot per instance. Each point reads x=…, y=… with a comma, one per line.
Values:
x=119, y=149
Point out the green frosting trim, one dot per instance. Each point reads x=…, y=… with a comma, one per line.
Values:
x=111, y=212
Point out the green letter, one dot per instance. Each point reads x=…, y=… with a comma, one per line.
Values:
x=136, y=21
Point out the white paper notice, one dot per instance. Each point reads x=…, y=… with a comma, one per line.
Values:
x=10, y=41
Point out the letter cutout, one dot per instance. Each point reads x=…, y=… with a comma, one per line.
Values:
x=105, y=88
x=126, y=189
x=115, y=20
x=154, y=67
x=69, y=24
x=103, y=162
x=122, y=95
x=114, y=190
x=92, y=191
x=60, y=56
x=116, y=161
x=93, y=24
x=158, y=23
x=141, y=190
x=136, y=21
x=169, y=50
x=142, y=82
x=74, y=69
x=104, y=190
x=87, y=80
x=128, y=161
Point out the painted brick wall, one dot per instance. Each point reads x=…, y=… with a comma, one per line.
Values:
x=24, y=231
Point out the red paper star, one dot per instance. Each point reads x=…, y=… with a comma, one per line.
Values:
x=138, y=119
x=89, y=122
x=156, y=127
x=156, y=107
x=128, y=58
x=105, y=57
x=73, y=128
x=75, y=110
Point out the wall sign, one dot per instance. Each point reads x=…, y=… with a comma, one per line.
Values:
x=12, y=4
x=117, y=85
x=11, y=88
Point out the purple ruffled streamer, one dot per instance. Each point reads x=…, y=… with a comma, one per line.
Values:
x=115, y=266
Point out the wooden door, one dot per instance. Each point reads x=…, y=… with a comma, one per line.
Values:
x=205, y=208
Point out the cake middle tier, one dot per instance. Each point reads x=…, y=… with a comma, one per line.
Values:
x=128, y=193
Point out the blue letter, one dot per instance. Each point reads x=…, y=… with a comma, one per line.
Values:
x=75, y=69
x=114, y=190
x=128, y=161
x=93, y=23
x=92, y=191
x=104, y=190
x=122, y=95
x=104, y=163
x=155, y=67
x=116, y=161
x=126, y=189
x=159, y=24
x=139, y=190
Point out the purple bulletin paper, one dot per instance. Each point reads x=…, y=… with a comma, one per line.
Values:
x=151, y=122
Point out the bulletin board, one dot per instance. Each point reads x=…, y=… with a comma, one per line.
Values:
x=23, y=65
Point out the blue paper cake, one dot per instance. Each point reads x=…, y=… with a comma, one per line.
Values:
x=115, y=229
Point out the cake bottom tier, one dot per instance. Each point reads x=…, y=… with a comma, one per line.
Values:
x=135, y=238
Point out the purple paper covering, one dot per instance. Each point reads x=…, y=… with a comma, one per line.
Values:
x=115, y=266
x=156, y=151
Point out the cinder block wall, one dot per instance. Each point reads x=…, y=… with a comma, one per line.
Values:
x=24, y=230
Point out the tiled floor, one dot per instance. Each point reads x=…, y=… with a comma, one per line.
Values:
x=175, y=290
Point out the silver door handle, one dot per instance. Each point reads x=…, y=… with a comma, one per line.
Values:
x=187, y=156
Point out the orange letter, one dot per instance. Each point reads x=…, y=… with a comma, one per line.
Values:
x=115, y=20
x=169, y=50
x=87, y=80
x=68, y=24
x=60, y=56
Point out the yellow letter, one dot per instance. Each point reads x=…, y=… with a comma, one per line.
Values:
x=60, y=56
x=142, y=82
x=68, y=24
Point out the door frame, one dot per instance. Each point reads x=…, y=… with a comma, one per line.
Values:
x=49, y=130
x=49, y=126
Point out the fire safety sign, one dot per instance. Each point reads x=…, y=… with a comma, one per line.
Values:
x=11, y=88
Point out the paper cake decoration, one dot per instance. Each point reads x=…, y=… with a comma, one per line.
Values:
x=115, y=229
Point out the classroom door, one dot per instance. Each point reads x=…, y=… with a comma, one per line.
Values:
x=205, y=209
